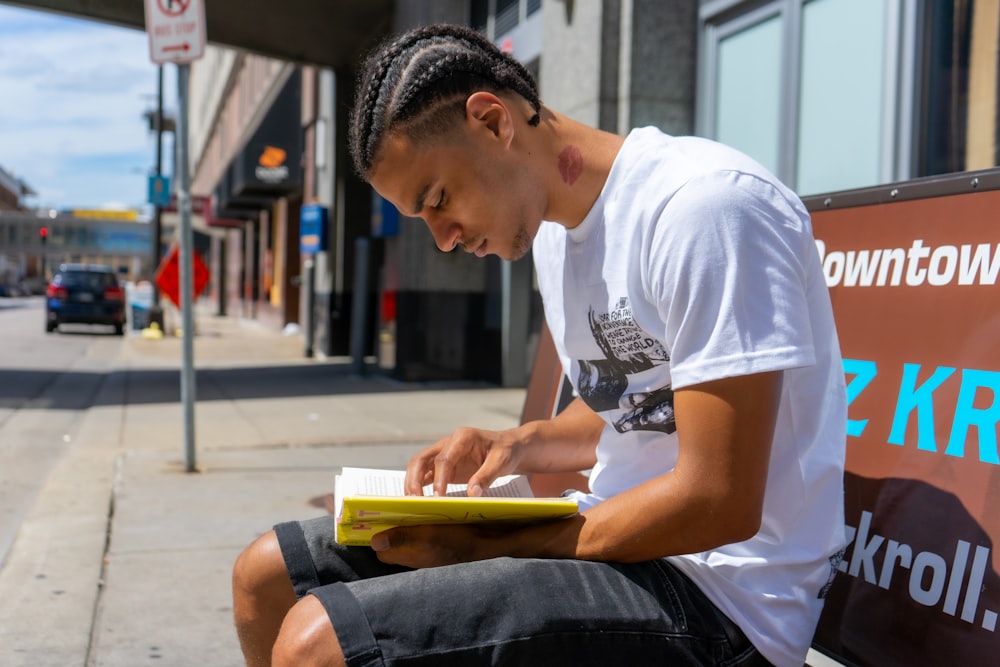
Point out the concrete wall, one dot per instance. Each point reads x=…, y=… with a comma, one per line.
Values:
x=661, y=65
x=210, y=78
x=572, y=68
x=619, y=64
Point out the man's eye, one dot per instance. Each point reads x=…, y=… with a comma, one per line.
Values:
x=440, y=203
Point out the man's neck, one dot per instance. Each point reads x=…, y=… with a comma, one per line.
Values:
x=574, y=161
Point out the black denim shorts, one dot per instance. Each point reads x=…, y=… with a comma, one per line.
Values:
x=509, y=611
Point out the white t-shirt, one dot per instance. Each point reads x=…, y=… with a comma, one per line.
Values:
x=696, y=264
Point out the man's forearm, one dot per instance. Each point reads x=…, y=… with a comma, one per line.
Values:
x=662, y=517
x=567, y=442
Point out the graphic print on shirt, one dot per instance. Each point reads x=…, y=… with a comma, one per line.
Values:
x=603, y=384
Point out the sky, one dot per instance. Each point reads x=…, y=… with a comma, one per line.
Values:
x=72, y=98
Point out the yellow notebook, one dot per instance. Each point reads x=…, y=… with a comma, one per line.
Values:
x=369, y=501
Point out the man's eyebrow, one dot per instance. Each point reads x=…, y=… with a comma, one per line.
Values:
x=419, y=206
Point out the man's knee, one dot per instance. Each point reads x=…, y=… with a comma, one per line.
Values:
x=307, y=637
x=260, y=571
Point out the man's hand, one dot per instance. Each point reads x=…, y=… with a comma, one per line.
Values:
x=469, y=455
x=432, y=546
x=477, y=457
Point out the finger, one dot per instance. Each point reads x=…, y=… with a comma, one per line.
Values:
x=493, y=467
x=444, y=472
x=420, y=471
x=403, y=545
x=384, y=541
x=456, y=451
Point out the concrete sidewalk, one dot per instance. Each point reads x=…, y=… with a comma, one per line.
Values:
x=125, y=558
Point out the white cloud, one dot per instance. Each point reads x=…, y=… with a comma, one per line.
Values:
x=72, y=95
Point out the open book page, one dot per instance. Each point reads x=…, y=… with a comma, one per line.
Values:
x=369, y=501
x=375, y=482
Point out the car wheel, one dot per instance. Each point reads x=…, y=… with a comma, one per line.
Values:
x=119, y=330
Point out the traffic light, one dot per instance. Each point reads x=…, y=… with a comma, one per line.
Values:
x=43, y=234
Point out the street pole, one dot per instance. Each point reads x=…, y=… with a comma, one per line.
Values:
x=186, y=266
x=156, y=312
x=308, y=285
x=359, y=306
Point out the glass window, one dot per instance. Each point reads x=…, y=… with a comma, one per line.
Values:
x=840, y=94
x=841, y=111
x=947, y=42
x=748, y=91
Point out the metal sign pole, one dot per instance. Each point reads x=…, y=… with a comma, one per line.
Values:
x=156, y=311
x=186, y=266
x=177, y=34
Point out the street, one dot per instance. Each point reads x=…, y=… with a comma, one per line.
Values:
x=47, y=382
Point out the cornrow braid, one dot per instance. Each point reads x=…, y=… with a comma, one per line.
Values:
x=414, y=81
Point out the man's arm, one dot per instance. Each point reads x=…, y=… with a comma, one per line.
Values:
x=714, y=496
x=565, y=443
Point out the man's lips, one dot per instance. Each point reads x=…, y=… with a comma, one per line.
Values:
x=476, y=247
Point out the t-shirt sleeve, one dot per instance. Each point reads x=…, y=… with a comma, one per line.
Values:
x=726, y=273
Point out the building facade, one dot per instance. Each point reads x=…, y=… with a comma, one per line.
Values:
x=914, y=95
x=32, y=246
x=13, y=191
x=246, y=147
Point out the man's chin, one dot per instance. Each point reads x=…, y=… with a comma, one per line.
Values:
x=520, y=246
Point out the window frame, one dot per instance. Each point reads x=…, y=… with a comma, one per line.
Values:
x=720, y=19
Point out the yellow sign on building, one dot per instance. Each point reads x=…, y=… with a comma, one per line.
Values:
x=98, y=214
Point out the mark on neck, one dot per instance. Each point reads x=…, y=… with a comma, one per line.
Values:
x=570, y=164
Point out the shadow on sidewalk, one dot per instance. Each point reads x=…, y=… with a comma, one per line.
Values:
x=146, y=386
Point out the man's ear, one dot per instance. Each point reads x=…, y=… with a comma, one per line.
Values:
x=490, y=112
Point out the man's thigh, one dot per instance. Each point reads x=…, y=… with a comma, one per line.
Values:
x=313, y=558
x=509, y=611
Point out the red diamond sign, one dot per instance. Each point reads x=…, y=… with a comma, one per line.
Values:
x=168, y=276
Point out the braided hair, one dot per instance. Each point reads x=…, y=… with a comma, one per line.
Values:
x=419, y=83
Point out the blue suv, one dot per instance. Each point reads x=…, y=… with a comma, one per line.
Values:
x=85, y=294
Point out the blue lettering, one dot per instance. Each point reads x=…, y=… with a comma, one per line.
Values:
x=864, y=372
x=921, y=399
x=984, y=420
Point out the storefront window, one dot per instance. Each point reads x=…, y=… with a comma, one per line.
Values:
x=839, y=94
x=947, y=40
x=748, y=94
x=841, y=139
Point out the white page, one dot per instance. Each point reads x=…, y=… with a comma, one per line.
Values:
x=376, y=482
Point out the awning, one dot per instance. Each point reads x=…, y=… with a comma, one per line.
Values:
x=330, y=33
x=203, y=216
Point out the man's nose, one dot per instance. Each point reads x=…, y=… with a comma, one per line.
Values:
x=446, y=234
